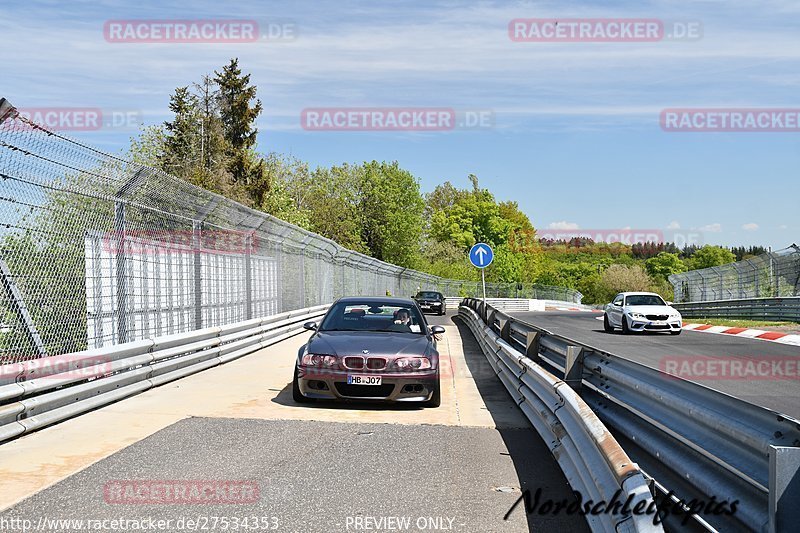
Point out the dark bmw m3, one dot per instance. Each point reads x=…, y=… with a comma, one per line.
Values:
x=370, y=349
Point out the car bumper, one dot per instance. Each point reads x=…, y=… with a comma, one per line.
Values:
x=394, y=387
x=635, y=324
x=431, y=308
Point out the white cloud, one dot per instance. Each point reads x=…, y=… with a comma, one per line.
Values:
x=674, y=225
x=716, y=227
x=563, y=225
x=752, y=226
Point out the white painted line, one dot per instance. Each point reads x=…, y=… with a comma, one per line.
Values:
x=789, y=339
x=750, y=333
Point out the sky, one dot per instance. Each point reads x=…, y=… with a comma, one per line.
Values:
x=571, y=129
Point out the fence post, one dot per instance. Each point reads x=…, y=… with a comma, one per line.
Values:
x=248, y=277
x=197, y=236
x=121, y=272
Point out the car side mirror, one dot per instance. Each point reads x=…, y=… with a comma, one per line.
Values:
x=311, y=326
x=437, y=330
x=670, y=303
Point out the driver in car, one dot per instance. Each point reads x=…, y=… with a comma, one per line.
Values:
x=402, y=317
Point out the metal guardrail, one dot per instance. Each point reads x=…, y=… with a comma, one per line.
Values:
x=769, y=309
x=37, y=393
x=694, y=441
x=590, y=457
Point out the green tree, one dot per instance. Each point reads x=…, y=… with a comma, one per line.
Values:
x=391, y=207
x=711, y=256
x=181, y=135
x=238, y=108
x=148, y=148
x=664, y=265
x=466, y=217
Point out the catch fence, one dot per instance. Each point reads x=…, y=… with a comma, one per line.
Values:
x=772, y=275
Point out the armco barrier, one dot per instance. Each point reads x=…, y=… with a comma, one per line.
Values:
x=768, y=309
x=30, y=399
x=590, y=457
x=520, y=304
x=693, y=440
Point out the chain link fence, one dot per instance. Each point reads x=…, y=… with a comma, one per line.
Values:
x=96, y=250
x=772, y=275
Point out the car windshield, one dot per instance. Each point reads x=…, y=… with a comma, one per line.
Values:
x=373, y=316
x=644, y=299
x=429, y=295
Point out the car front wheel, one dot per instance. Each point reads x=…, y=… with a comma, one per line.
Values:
x=297, y=396
x=607, y=325
x=625, y=329
x=678, y=332
x=436, y=397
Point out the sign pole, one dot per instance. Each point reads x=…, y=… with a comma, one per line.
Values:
x=483, y=282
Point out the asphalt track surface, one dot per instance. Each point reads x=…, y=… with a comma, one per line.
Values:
x=656, y=350
x=314, y=472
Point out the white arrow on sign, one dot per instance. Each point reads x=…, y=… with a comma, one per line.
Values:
x=481, y=253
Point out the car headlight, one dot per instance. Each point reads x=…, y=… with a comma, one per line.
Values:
x=637, y=315
x=413, y=363
x=319, y=361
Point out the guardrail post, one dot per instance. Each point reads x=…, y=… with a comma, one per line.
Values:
x=532, y=340
x=784, y=488
x=489, y=317
x=573, y=369
x=505, y=329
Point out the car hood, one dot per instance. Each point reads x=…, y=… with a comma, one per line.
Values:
x=650, y=309
x=342, y=343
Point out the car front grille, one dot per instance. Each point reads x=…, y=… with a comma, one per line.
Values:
x=376, y=363
x=365, y=391
x=657, y=317
x=355, y=363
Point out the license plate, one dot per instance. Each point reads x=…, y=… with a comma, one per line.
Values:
x=363, y=380
x=658, y=323
x=425, y=306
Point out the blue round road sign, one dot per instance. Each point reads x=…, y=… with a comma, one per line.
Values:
x=481, y=255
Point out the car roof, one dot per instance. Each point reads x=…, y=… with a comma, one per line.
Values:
x=387, y=300
x=639, y=294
